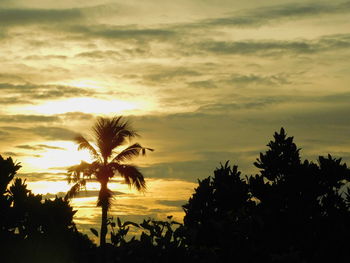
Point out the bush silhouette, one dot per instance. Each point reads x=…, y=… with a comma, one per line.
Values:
x=290, y=211
x=293, y=210
x=33, y=229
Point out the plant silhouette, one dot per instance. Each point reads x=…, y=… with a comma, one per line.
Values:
x=109, y=134
x=292, y=211
x=33, y=229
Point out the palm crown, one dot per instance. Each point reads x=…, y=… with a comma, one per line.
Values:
x=109, y=134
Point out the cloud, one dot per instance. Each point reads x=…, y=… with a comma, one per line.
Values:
x=217, y=108
x=53, y=133
x=276, y=47
x=165, y=74
x=12, y=154
x=39, y=147
x=203, y=84
x=265, y=15
x=28, y=118
x=36, y=177
x=98, y=54
x=23, y=17
x=81, y=194
x=176, y=203
x=271, y=80
x=43, y=132
x=79, y=116
x=191, y=171
x=39, y=92
x=46, y=57
x=120, y=32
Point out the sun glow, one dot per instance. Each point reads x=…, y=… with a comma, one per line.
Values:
x=52, y=159
x=49, y=187
x=85, y=105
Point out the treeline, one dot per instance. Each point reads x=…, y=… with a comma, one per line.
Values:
x=293, y=210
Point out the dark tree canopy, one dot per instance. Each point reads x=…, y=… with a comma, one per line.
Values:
x=292, y=210
x=33, y=229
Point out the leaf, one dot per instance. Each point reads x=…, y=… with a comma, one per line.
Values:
x=119, y=222
x=94, y=231
x=130, y=223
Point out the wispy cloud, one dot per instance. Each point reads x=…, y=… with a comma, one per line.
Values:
x=276, y=47
x=43, y=132
x=39, y=147
x=29, y=92
x=283, y=12
x=25, y=17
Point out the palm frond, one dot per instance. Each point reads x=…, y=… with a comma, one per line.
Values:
x=111, y=133
x=75, y=189
x=131, y=174
x=105, y=198
x=84, y=144
x=82, y=171
x=130, y=152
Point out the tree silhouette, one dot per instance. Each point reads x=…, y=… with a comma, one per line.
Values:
x=109, y=134
x=33, y=229
x=291, y=211
x=217, y=216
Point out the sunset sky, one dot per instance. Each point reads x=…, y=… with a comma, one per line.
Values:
x=203, y=81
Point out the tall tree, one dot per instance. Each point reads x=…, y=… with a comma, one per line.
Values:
x=109, y=134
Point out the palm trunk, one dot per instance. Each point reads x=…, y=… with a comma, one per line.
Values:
x=104, y=207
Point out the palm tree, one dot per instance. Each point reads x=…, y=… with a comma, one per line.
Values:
x=109, y=134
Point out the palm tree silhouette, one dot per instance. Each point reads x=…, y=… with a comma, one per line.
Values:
x=109, y=134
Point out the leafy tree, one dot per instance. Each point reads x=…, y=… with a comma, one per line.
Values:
x=302, y=204
x=109, y=134
x=220, y=208
x=35, y=229
x=291, y=211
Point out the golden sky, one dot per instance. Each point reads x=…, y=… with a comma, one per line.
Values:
x=204, y=81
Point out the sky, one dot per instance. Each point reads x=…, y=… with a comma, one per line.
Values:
x=203, y=81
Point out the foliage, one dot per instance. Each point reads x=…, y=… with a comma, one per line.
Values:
x=109, y=134
x=292, y=210
x=159, y=241
x=43, y=230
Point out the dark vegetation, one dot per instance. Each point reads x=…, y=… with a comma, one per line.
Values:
x=108, y=135
x=293, y=210
x=33, y=229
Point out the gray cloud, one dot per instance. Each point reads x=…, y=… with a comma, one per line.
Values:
x=34, y=177
x=204, y=84
x=39, y=147
x=97, y=54
x=12, y=154
x=265, y=15
x=27, y=92
x=22, y=17
x=28, y=118
x=36, y=57
x=176, y=203
x=49, y=133
x=275, y=47
x=165, y=74
x=53, y=133
x=271, y=80
x=121, y=32
x=217, y=108
x=76, y=116
x=82, y=194
x=191, y=171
